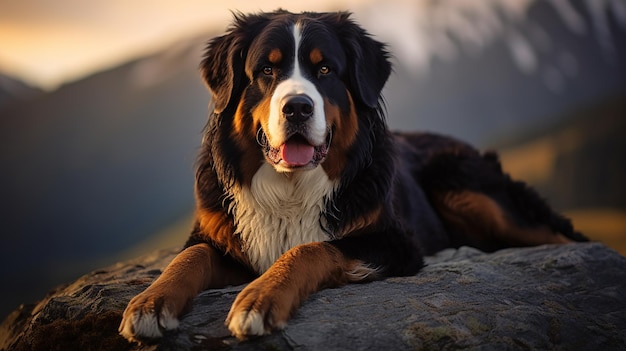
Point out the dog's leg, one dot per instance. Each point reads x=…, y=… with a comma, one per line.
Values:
x=266, y=303
x=157, y=309
x=478, y=220
x=483, y=207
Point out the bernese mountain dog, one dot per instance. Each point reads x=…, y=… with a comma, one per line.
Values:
x=300, y=185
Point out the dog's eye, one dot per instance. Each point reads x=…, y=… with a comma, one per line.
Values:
x=268, y=71
x=324, y=70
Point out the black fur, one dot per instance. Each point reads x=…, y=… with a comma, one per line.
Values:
x=399, y=175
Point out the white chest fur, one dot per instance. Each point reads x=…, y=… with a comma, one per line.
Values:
x=280, y=211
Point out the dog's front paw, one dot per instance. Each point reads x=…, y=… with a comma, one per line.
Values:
x=260, y=309
x=147, y=316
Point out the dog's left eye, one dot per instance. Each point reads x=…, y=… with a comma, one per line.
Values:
x=324, y=70
x=268, y=71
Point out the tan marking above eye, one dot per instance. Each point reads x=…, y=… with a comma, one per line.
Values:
x=275, y=56
x=316, y=56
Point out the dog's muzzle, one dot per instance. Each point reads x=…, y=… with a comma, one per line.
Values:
x=296, y=152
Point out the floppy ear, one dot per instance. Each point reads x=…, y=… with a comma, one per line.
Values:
x=224, y=59
x=370, y=67
x=222, y=69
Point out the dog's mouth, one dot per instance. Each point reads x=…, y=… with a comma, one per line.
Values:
x=297, y=152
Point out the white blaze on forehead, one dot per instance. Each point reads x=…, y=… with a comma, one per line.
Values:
x=296, y=84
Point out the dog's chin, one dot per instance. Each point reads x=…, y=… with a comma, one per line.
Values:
x=295, y=154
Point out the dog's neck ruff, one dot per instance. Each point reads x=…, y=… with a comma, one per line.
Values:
x=280, y=211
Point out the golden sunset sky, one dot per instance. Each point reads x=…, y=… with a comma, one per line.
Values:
x=48, y=42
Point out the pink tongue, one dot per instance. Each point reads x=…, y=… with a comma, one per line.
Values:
x=297, y=153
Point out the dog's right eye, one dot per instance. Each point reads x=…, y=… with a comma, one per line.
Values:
x=267, y=70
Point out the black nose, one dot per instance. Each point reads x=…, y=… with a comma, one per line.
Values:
x=298, y=108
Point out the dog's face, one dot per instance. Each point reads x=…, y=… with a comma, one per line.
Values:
x=294, y=83
x=293, y=75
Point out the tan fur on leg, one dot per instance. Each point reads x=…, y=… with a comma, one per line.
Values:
x=266, y=303
x=157, y=309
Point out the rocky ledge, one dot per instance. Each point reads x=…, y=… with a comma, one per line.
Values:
x=548, y=297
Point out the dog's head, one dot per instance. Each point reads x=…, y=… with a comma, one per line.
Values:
x=295, y=84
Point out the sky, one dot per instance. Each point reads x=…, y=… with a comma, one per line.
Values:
x=48, y=42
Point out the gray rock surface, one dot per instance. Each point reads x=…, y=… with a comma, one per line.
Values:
x=570, y=297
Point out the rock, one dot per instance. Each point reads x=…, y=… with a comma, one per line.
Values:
x=546, y=297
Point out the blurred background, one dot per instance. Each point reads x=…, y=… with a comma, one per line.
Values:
x=102, y=107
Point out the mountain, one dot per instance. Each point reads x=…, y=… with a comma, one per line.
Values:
x=13, y=91
x=499, y=70
x=112, y=153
